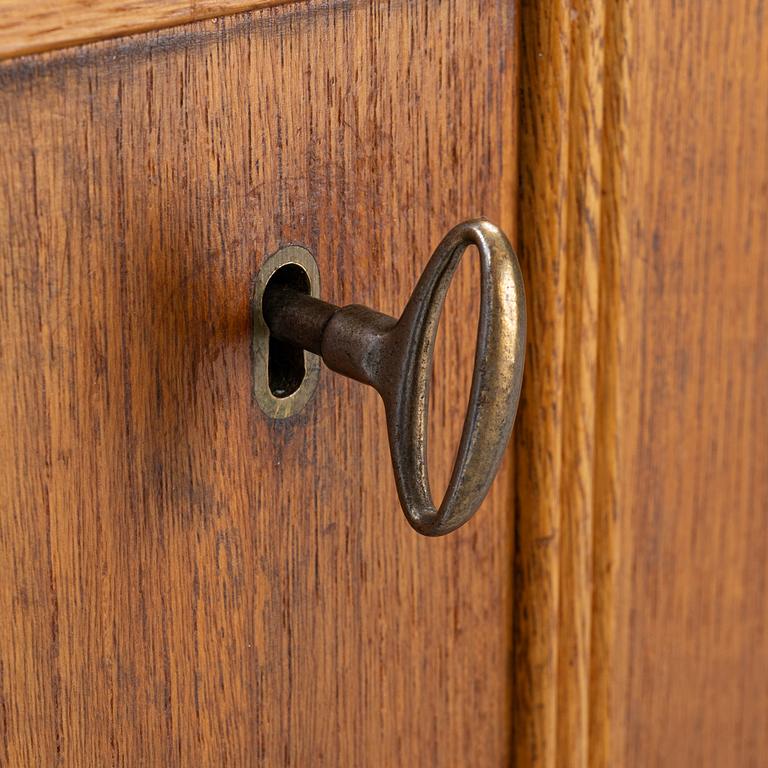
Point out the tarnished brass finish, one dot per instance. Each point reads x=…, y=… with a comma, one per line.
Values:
x=395, y=357
x=281, y=407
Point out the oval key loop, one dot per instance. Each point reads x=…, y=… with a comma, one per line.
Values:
x=395, y=357
x=496, y=379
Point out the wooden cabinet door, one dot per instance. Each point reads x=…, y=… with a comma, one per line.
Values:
x=641, y=578
x=186, y=582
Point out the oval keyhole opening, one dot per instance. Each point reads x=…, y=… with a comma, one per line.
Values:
x=286, y=369
x=284, y=377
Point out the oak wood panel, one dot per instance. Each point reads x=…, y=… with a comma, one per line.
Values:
x=185, y=582
x=693, y=373
x=642, y=550
x=48, y=24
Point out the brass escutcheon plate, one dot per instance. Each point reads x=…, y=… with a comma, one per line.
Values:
x=281, y=407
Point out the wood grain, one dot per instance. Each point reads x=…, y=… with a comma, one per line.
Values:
x=50, y=24
x=560, y=201
x=641, y=629
x=185, y=582
x=538, y=430
x=694, y=388
x=610, y=612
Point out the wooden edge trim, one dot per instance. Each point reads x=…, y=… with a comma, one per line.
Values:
x=51, y=24
x=572, y=232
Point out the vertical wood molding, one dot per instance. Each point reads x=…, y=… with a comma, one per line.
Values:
x=573, y=58
x=609, y=615
x=582, y=255
x=543, y=152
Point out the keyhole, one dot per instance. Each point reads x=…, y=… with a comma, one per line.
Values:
x=285, y=367
x=284, y=376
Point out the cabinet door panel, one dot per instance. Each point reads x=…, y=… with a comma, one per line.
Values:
x=641, y=470
x=186, y=582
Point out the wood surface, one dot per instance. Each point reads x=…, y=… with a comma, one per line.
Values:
x=561, y=141
x=186, y=583
x=693, y=372
x=49, y=24
x=641, y=579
